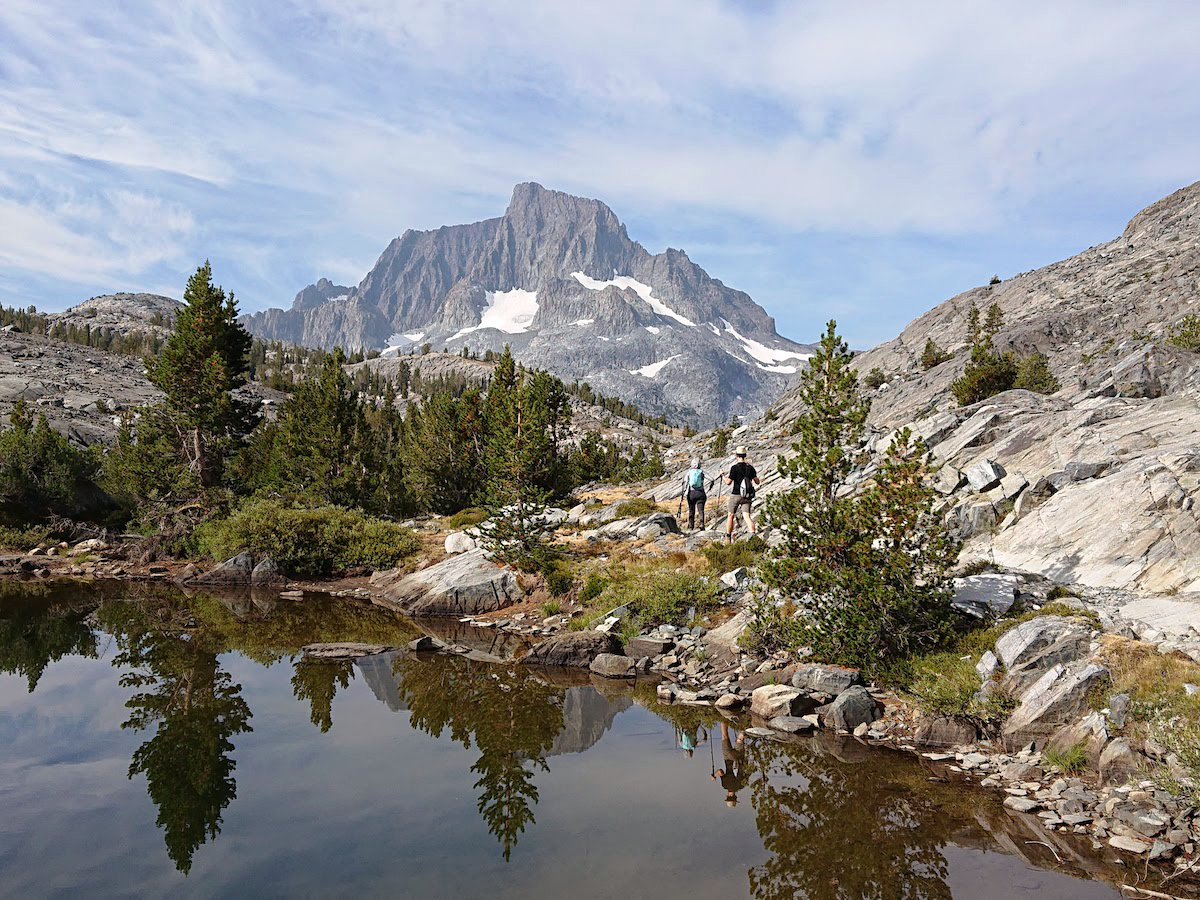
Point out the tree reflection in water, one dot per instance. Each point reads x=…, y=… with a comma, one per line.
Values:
x=30, y=640
x=317, y=681
x=508, y=713
x=194, y=707
x=840, y=827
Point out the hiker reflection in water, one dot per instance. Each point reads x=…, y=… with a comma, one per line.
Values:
x=733, y=776
x=687, y=739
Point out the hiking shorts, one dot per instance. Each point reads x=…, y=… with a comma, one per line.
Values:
x=736, y=502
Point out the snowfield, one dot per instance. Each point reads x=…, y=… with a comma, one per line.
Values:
x=509, y=311
x=654, y=368
x=625, y=282
x=768, y=358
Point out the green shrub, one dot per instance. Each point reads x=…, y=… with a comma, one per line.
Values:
x=465, y=518
x=559, y=583
x=723, y=558
x=663, y=598
x=638, y=506
x=307, y=541
x=946, y=684
x=986, y=375
x=42, y=474
x=1059, y=591
x=875, y=378
x=974, y=567
x=1033, y=374
x=933, y=355
x=593, y=587
x=720, y=442
x=22, y=539
x=1186, y=333
x=1069, y=760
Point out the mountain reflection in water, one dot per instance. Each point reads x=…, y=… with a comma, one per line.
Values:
x=820, y=818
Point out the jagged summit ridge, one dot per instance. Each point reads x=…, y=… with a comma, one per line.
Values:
x=558, y=278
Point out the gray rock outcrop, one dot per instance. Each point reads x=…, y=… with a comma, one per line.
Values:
x=572, y=648
x=463, y=585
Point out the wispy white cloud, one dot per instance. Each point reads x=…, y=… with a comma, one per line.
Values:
x=281, y=139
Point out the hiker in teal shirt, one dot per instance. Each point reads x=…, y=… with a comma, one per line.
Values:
x=693, y=490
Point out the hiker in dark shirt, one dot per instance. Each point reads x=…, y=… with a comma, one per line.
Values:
x=733, y=776
x=742, y=479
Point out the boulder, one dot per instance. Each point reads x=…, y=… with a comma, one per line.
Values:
x=267, y=572
x=944, y=731
x=736, y=578
x=730, y=701
x=792, y=724
x=235, y=570
x=1082, y=471
x=852, y=707
x=1118, y=709
x=610, y=665
x=1029, y=649
x=652, y=525
x=972, y=517
x=773, y=700
x=983, y=596
x=572, y=648
x=648, y=646
x=823, y=679
x=986, y=667
x=1120, y=762
x=460, y=542
x=1054, y=700
x=1012, y=484
x=1090, y=733
x=465, y=585
x=985, y=475
x=948, y=480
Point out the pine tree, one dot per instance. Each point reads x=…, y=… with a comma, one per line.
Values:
x=867, y=565
x=203, y=362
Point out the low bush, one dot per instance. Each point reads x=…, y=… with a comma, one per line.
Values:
x=875, y=378
x=723, y=558
x=933, y=355
x=22, y=539
x=1059, y=591
x=1033, y=374
x=947, y=684
x=593, y=587
x=664, y=598
x=1068, y=760
x=559, y=583
x=638, y=506
x=322, y=540
x=466, y=518
x=551, y=608
x=986, y=375
x=1186, y=333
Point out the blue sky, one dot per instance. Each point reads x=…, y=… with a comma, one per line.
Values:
x=857, y=160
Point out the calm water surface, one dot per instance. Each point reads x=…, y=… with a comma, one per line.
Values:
x=156, y=744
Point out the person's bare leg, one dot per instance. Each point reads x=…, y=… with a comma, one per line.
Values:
x=729, y=527
x=746, y=516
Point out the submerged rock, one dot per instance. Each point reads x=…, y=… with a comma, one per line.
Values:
x=344, y=650
x=610, y=665
x=574, y=648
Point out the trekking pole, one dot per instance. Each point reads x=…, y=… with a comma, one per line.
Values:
x=712, y=762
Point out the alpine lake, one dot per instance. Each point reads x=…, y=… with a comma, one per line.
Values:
x=157, y=743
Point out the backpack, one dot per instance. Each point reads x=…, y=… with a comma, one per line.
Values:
x=696, y=478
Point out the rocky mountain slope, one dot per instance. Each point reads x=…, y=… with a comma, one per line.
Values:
x=558, y=278
x=1095, y=484
x=123, y=313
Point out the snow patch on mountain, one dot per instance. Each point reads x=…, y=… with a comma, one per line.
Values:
x=768, y=358
x=625, y=282
x=509, y=311
x=653, y=368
